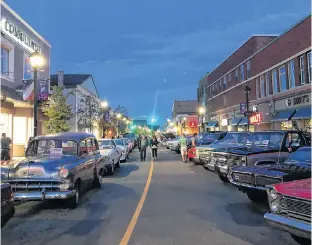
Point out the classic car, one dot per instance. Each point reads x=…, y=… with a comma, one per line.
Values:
x=7, y=203
x=290, y=205
x=205, y=154
x=188, y=142
x=261, y=147
x=120, y=144
x=128, y=144
x=252, y=180
x=111, y=154
x=173, y=144
x=56, y=166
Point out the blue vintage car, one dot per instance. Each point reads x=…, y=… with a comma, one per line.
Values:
x=56, y=166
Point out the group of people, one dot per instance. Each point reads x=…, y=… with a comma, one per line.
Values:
x=183, y=145
x=143, y=143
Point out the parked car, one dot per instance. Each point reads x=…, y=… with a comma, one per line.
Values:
x=252, y=180
x=7, y=203
x=205, y=153
x=261, y=147
x=128, y=144
x=173, y=144
x=111, y=153
x=188, y=142
x=290, y=205
x=124, y=149
x=56, y=166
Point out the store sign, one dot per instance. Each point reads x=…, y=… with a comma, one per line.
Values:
x=256, y=118
x=19, y=36
x=214, y=118
x=301, y=100
x=224, y=122
x=192, y=124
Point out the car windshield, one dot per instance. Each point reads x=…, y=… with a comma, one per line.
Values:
x=265, y=139
x=119, y=142
x=301, y=155
x=240, y=138
x=104, y=144
x=212, y=136
x=51, y=146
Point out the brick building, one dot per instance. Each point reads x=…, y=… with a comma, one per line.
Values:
x=277, y=69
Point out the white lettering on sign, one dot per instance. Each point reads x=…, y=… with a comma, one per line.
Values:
x=257, y=118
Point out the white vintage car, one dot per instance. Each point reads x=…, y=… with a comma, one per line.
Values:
x=123, y=148
x=112, y=154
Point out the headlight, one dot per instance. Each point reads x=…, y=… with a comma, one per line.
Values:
x=244, y=161
x=273, y=194
x=63, y=173
x=274, y=206
x=64, y=186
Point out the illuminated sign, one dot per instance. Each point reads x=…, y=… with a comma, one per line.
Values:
x=192, y=124
x=256, y=118
x=224, y=122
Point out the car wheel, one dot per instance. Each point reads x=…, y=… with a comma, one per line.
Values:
x=73, y=201
x=110, y=169
x=301, y=240
x=97, y=181
x=223, y=178
x=118, y=163
x=257, y=196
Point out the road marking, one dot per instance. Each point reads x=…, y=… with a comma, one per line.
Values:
x=137, y=212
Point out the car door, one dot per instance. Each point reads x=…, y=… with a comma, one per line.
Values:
x=90, y=160
x=98, y=159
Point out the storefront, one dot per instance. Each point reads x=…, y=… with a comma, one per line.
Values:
x=213, y=124
x=226, y=120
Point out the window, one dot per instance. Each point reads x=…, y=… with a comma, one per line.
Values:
x=83, y=148
x=242, y=72
x=90, y=145
x=224, y=100
x=267, y=83
x=5, y=61
x=309, y=66
x=291, y=74
x=220, y=84
x=19, y=132
x=248, y=69
x=236, y=75
x=230, y=78
x=302, y=77
x=282, y=78
x=258, y=88
x=262, y=93
x=224, y=83
x=274, y=81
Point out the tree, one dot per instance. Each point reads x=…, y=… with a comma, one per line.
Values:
x=58, y=111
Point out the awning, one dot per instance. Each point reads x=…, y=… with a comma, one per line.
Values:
x=212, y=124
x=284, y=115
x=235, y=121
x=11, y=93
x=302, y=113
x=243, y=121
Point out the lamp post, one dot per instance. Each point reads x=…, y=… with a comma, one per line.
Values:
x=202, y=111
x=36, y=61
x=247, y=92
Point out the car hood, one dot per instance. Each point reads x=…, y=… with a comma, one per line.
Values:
x=37, y=167
x=249, y=150
x=219, y=146
x=298, y=188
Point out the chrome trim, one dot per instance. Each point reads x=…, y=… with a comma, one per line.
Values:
x=292, y=226
x=43, y=195
x=245, y=185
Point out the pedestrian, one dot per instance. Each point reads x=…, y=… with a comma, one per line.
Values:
x=5, y=147
x=194, y=140
x=139, y=143
x=154, y=146
x=144, y=144
x=183, y=144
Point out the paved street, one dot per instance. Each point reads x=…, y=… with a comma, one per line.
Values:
x=185, y=205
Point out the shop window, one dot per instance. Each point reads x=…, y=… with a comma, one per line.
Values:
x=309, y=58
x=248, y=69
x=307, y=124
x=268, y=83
x=262, y=86
x=291, y=74
x=19, y=132
x=282, y=78
x=286, y=125
x=274, y=81
x=236, y=75
x=5, y=61
x=6, y=124
x=302, y=76
x=224, y=82
x=242, y=72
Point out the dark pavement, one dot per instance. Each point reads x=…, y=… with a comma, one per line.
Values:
x=185, y=205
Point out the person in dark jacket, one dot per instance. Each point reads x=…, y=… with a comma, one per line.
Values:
x=154, y=146
x=139, y=143
x=144, y=144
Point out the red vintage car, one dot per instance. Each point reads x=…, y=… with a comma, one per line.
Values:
x=191, y=153
x=290, y=204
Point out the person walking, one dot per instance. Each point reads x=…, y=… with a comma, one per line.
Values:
x=5, y=147
x=144, y=144
x=154, y=146
x=139, y=143
x=183, y=144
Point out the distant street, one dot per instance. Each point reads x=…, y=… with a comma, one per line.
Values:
x=185, y=205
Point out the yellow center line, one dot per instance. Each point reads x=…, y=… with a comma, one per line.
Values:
x=137, y=212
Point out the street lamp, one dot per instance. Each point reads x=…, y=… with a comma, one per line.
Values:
x=104, y=104
x=36, y=62
x=247, y=92
x=202, y=111
x=119, y=116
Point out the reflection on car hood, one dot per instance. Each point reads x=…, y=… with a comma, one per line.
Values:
x=220, y=146
x=248, y=150
x=299, y=188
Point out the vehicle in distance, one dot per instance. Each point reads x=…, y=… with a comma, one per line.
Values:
x=111, y=154
x=120, y=144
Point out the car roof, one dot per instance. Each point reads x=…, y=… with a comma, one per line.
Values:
x=76, y=136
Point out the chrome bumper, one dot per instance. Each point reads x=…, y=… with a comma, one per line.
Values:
x=37, y=195
x=224, y=169
x=292, y=226
x=244, y=185
x=211, y=165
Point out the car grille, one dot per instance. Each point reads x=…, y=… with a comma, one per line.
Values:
x=296, y=208
x=228, y=159
x=243, y=178
x=22, y=186
x=204, y=154
x=263, y=181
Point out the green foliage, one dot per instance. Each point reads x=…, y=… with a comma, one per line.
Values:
x=58, y=111
x=88, y=113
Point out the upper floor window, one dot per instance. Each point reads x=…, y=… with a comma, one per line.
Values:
x=5, y=61
x=220, y=84
x=302, y=76
x=224, y=99
x=282, y=78
x=274, y=81
x=268, y=84
x=230, y=78
x=224, y=82
x=242, y=72
x=258, y=88
x=262, y=85
x=291, y=74
x=236, y=75
x=309, y=66
x=248, y=69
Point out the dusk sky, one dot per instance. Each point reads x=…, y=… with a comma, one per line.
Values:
x=146, y=54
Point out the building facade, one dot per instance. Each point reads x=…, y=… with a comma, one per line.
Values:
x=18, y=41
x=278, y=72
